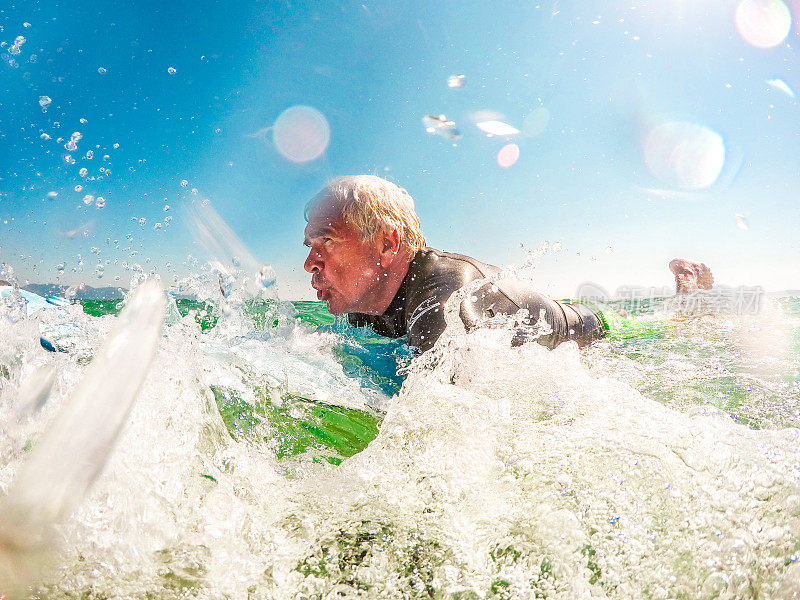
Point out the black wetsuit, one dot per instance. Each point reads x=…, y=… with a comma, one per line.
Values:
x=418, y=307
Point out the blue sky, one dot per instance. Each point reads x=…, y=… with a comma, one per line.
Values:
x=606, y=74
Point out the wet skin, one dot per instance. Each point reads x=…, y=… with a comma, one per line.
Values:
x=349, y=273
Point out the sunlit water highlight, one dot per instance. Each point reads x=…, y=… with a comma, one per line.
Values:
x=659, y=466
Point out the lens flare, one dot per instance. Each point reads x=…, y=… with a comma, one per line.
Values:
x=536, y=121
x=508, y=155
x=763, y=23
x=301, y=134
x=684, y=154
x=781, y=85
x=497, y=128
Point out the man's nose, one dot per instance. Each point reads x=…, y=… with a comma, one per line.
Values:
x=313, y=263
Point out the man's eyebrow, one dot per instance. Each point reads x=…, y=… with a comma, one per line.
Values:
x=319, y=232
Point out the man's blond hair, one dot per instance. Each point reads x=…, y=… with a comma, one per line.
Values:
x=374, y=205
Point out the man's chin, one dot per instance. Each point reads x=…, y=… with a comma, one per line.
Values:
x=333, y=308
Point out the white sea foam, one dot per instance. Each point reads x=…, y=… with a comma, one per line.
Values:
x=515, y=472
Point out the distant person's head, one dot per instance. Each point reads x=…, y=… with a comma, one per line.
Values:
x=4, y=282
x=362, y=231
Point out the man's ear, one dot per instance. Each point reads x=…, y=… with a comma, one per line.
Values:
x=390, y=244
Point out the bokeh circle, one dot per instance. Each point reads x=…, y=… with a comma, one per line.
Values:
x=301, y=134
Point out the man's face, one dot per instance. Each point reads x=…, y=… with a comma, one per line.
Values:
x=344, y=269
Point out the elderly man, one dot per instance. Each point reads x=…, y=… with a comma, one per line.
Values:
x=368, y=259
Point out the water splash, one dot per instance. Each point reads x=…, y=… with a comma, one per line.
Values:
x=496, y=470
x=72, y=452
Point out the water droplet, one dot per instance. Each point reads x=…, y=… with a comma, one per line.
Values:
x=106, y=157
x=172, y=71
x=116, y=146
x=101, y=202
x=60, y=266
x=557, y=247
x=184, y=183
x=166, y=207
x=142, y=222
x=609, y=249
x=71, y=146
x=88, y=199
x=14, y=49
x=455, y=81
x=439, y=125
x=102, y=70
x=44, y=101
x=236, y=262
x=83, y=172
x=89, y=155
x=157, y=226
x=266, y=276
x=19, y=40
x=44, y=136
x=741, y=222
x=52, y=195
x=83, y=120
x=99, y=270
x=79, y=188
x=26, y=24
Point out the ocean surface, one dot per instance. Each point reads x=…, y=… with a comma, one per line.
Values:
x=276, y=452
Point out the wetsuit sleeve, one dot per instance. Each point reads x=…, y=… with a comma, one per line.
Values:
x=426, y=317
x=428, y=294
